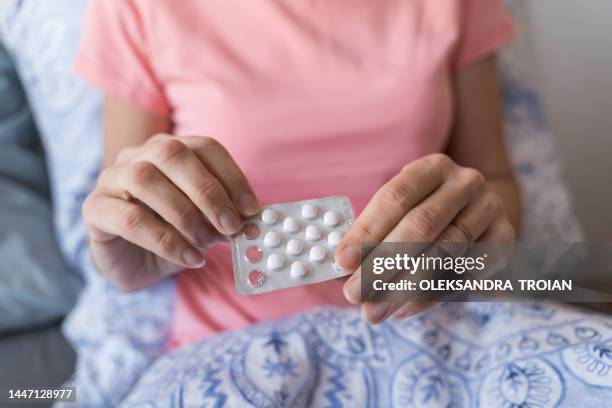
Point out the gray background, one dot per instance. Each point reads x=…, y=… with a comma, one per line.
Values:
x=572, y=48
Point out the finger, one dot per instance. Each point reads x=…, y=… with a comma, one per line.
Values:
x=377, y=312
x=145, y=182
x=125, y=155
x=352, y=288
x=501, y=235
x=499, y=232
x=428, y=219
x=470, y=224
x=411, y=308
x=139, y=226
x=222, y=165
x=415, y=182
x=181, y=166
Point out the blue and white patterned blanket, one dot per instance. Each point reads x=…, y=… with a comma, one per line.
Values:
x=486, y=355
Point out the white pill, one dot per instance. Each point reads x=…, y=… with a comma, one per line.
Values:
x=313, y=233
x=309, y=211
x=275, y=262
x=317, y=253
x=291, y=224
x=298, y=270
x=269, y=216
x=334, y=238
x=331, y=218
x=272, y=239
x=295, y=247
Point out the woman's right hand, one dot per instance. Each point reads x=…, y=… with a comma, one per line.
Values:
x=155, y=209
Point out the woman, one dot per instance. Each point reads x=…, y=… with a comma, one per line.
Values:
x=215, y=107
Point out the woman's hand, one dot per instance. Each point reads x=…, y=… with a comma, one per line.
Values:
x=431, y=200
x=155, y=209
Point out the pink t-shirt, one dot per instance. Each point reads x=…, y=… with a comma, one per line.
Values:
x=311, y=97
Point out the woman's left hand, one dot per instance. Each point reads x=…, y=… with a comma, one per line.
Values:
x=431, y=200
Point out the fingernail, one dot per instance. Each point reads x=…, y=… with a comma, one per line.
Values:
x=193, y=258
x=248, y=204
x=229, y=221
x=374, y=312
x=352, y=289
x=349, y=258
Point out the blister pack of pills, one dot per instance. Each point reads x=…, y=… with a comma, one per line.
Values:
x=290, y=244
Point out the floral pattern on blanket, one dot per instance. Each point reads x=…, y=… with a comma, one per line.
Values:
x=455, y=355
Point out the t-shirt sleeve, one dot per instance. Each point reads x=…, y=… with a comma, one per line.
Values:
x=115, y=54
x=486, y=27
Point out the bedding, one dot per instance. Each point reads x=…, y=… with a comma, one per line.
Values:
x=36, y=285
x=485, y=355
x=41, y=38
x=118, y=336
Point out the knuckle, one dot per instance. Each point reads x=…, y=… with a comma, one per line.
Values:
x=506, y=231
x=105, y=177
x=424, y=222
x=186, y=215
x=493, y=203
x=369, y=232
x=234, y=178
x=86, y=207
x=397, y=196
x=452, y=235
x=438, y=165
x=143, y=173
x=124, y=154
x=131, y=218
x=439, y=160
x=159, y=136
x=406, y=167
x=208, y=191
x=471, y=178
x=165, y=241
x=209, y=143
x=170, y=149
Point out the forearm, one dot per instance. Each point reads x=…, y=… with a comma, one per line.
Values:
x=477, y=139
x=126, y=125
